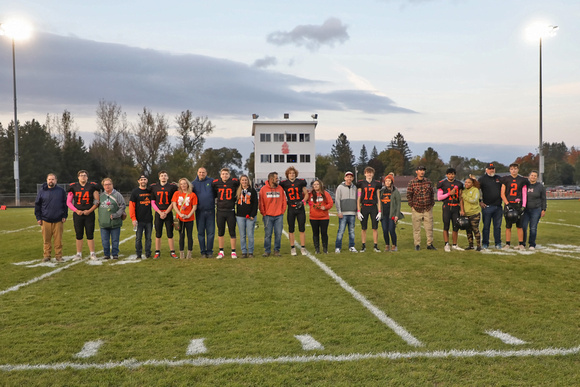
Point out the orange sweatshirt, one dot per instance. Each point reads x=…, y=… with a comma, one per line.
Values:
x=316, y=212
x=272, y=201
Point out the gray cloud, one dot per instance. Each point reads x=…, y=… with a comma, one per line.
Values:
x=56, y=72
x=266, y=61
x=332, y=31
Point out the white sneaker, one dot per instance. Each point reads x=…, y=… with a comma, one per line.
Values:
x=220, y=255
x=234, y=255
x=447, y=248
x=455, y=247
x=506, y=247
x=531, y=248
x=93, y=256
x=303, y=251
x=520, y=247
x=78, y=257
x=293, y=251
x=353, y=250
x=376, y=250
x=337, y=251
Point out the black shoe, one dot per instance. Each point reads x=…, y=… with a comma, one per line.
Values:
x=470, y=248
x=417, y=248
x=115, y=257
x=106, y=257
x=138, y=257
x=478, y=248
x=316, y=251
x=431, y=247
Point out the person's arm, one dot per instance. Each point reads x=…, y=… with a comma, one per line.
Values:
x=503, y=197
x=441, y=195
x=96, y=202
x=543, y=200
x=306, y=194
x=69, y=202
x=524, y=196
x=410, y=193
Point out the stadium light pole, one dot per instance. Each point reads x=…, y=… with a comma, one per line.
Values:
x=15, y=30
x=540, y=31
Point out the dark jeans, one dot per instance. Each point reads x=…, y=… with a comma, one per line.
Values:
x=110, y=237
x=490, y=213
x=205, y=227
x=389, y=229
x=147, y=228
x=320, y=231
x=186, y=231
x=532, y=218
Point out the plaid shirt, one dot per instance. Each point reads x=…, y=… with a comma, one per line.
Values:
x=420, y=194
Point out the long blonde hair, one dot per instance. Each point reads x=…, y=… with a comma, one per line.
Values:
x=189, y=189
x=239, y=191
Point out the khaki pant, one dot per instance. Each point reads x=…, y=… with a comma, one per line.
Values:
x=50, y=231
x=427, y=219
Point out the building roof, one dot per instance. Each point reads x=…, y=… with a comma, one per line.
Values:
x=285, y=122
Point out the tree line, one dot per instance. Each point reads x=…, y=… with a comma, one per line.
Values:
x=124, y=150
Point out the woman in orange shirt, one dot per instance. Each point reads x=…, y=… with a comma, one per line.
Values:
x=184, y=202
x=320, y=202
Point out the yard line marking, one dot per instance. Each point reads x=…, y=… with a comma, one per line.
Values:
x=308, y=342
x=46, y=275
x=561, y=224
x=196, y=346
x=21, y=229
x=201, y=362
x=399, y=330
x=89, y=349
x=505, y=337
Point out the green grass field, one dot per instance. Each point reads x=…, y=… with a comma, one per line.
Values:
x=404, y=318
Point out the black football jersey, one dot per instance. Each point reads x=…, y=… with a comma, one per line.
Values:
x=162, y=194
x=225, y=193
x=294, y=190
x=83, y=195
x=447, y=186
x=369, y=191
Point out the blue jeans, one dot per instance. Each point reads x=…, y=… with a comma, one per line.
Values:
x=488, y=214
x=205, y=227
x=272, y=223
x=110, y=236
x=342, y=223
x=531, y=217
x=246, y=227
x=389, y=228
x=143, y=227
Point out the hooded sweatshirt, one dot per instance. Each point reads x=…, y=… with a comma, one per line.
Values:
x=272, y=200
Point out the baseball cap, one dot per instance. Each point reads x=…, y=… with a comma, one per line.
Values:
x=421, y=168
x=348, y=173
x=490, y=166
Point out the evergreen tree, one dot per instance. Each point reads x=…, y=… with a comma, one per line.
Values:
x=342, y=154
x=363, y=158
x=398, y=143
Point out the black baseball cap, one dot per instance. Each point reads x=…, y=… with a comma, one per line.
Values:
x=421, y=168
x=490, y=166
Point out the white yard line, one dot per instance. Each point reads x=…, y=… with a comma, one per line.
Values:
x=19, y=230
x=90, y=349
x=560, y=224
x=399, y=330
x=505, y=337
x=50, y=273
x=308, y=342
x=200, y=362
x=196, y=346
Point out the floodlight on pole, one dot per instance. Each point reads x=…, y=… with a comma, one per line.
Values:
x=15, y=30
x=540, y=31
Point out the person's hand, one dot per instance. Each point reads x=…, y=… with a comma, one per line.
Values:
x=359, y=216
x=339, y=215
x=379, y=216
x=39, y=222
x=163, y=215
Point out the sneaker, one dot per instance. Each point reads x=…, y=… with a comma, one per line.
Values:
x=520, y=247
x=431, y=247
x=303, y=251
x=478, y=248
x=387, y=248
x=220, y=255
x=363, y=249
x=138, y=257
x=506, y=247
x=394, y=248
x=498, y=246
x=447, y=248
x=484, y=247
x=277, y=254
x=293, y=251
x=245, y=255
x=455, y=247
x=337, y=251
x=352, y=249
x=59, y=259
x=316, y=251
x=266, y=255
x=173, y=255
x=469, y=248
x=78, y=257
x=417, y=248
x=106, y=257
x=93, y=256
x=376, y=250
x=251, y=255
x=157, y=255
x=234, y=255
x=532, y=248
x=115, y=257
x=46, y=259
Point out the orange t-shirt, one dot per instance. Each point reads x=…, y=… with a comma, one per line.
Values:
x=185, y=203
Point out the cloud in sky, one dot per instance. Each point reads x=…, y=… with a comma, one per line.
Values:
x=56, y=72
x=265, y=62
x=332, y=31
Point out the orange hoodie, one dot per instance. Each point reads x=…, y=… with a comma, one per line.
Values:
x=316, y=212
x=272, y=201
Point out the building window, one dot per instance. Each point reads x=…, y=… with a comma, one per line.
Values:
x=265, y=137
x=304, y=137
x=278, y=158
x=291, y=158
x=290, y=137
x=304, y=158
x=265, y=158
x=279, y=137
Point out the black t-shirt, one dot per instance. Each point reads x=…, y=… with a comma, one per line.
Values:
x=369, y=191
x=225, y=193
x=162, y=194
x=490, y=189
x=141, y=199
x=83, y=195
x=294, y=190
x=447, y=186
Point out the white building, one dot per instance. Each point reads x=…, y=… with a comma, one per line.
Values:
x=280, y=144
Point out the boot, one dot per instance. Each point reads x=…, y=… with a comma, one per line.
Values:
x=325, y=248
x=181, y=254
x=316, y=241
x=188, y=254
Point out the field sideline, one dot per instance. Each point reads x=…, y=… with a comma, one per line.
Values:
x=405, y=318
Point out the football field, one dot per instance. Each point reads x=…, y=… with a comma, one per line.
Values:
x=402, y=318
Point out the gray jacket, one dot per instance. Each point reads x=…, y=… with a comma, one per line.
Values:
x=345, y=199
x=536, y=196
